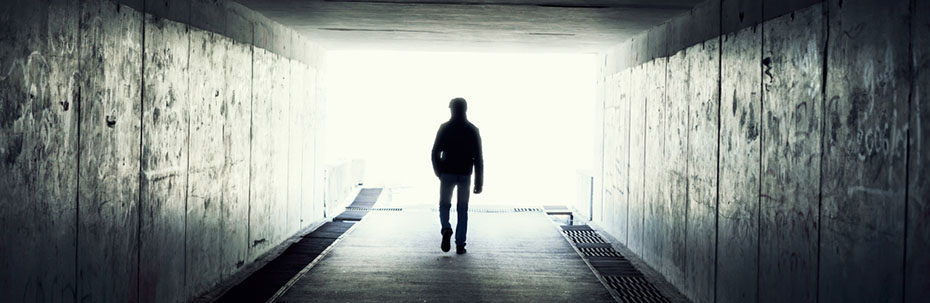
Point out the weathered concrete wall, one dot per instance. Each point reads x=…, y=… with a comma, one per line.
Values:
x=111, y=125
x=39, y=136
x=164, y=178
x=207, y=100
x=261, y=215
x=788, y=161
x=237, y=139
x=700, y=230
x=280, y=103
x=865, y=151
x=654, y=203
x=637, y=160
x=672, y=265
x=792, y=122
x=917, y=263
x=617, y=151
x=129, y=146
x=740, y=123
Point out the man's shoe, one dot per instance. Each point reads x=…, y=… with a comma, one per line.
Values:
x=460, y=249
x=446, y=235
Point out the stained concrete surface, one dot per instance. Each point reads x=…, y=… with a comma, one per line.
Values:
x=236, y=153
x=740, y=141
x=260, y=234
x=616, y=148
x=917, y=268
x=280, y=104
x=820, y=199
x=676, y=155
x=111, y=125
x=654, y=204
x=295, y=166
x=395, y=256
x=38, y=130
x=792, y=124
x=637, y=158
x=204, y=203
x=865, y=149
x=74, y=112
x=700, y=234
x=126, y=138
x=164, y=183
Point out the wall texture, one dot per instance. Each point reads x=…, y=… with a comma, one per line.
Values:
x=774, y=151
x=149, y=149
x=916, y=279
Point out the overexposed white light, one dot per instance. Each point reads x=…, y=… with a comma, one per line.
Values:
x=535, y=113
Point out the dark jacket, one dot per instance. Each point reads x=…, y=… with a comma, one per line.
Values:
x=457, y=148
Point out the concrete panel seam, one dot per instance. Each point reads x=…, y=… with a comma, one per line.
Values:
x=603, y=127
x=187, y=142
x=687, y=183
x=628, y=158
x=912, y=7
x=719, y=96
x=825, y=13
x=248, y=222
x=761, y=152
x=77, y=177
x=717, y=186
x=141, y=161
x=642, y=218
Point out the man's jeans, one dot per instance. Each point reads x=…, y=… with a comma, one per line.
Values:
x=447, y=182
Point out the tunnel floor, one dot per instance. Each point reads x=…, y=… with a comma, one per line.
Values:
x=394, y=256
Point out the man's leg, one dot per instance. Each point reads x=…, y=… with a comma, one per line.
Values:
x=446, y=183
x=461, y=207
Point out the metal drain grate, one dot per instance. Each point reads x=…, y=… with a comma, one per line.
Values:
x=635, y=289
x=374, y=208
x=493, y=210
x=584, y=236
x=644, y=300
x=626, y=280
x=487, y=210
x=576, y=227
x=584, y=239
x=619, y=274
x=581, y=233
x=599, y=252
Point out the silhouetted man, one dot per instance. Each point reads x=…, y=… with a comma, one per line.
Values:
x=456, y=150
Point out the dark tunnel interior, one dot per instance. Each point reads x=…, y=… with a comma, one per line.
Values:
x=744, y=151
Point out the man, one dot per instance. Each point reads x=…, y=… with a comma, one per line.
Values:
x=456, y=150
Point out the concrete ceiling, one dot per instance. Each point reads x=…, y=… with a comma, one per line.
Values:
x=470, y=25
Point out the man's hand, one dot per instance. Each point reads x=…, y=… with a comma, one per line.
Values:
x=477, y=189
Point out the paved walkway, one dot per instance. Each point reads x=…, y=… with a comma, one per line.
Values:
x=394, y=256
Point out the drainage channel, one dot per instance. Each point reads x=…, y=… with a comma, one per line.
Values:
x=269, y=282
x=494, y=209
x=615, y=271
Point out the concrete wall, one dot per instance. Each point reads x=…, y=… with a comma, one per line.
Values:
x=150, y=149
x=916, y=279
x=774, y=151
x=343, y=182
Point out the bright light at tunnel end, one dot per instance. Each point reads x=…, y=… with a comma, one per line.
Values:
x=535, y=113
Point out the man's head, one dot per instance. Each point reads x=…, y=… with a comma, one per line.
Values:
x=458, y=106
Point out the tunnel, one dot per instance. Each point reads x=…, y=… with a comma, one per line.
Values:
x=678, y=151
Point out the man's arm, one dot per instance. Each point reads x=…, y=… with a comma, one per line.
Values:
x=479, y=165
x=436, y=154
